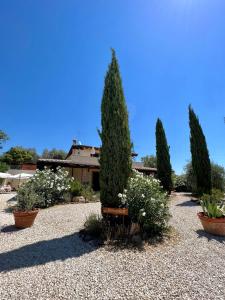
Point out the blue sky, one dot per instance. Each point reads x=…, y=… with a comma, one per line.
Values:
x=54, y=56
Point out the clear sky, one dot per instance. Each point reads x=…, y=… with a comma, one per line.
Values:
x=54, y=56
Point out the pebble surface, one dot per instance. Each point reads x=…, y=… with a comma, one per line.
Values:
x=49, y=260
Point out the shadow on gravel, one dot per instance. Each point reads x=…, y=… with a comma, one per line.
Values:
x=210, y=237
x=43, y=252
x=188, y=203
x=9, y=229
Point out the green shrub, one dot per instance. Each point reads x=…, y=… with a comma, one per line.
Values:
x=180, y=183
x=213, y=204
x=147, y=203
x=87, y=192
x=94, y=225
x=75, y=188
x=27, y=198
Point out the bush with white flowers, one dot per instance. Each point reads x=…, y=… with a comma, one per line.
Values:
x=147, y=203
x=50, y=185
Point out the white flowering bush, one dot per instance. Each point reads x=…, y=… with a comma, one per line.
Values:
x=50, y=185
x=147, y=203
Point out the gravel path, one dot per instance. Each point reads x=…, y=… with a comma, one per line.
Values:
x=49, y=261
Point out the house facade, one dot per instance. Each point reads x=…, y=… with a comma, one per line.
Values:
x=82, y=163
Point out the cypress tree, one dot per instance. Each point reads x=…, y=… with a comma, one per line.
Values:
x=115, y=158
x=200, y=155
x=164, y=169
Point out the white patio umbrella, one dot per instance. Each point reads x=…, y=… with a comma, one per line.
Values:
x=21, y=176
x=5, y=175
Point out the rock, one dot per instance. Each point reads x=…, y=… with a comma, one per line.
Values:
x=79, y=199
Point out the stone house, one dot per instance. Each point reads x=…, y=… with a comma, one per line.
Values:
x=82, y=163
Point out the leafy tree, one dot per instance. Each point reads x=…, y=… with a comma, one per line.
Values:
x=54, y=154
x=3, y=138
x=149, y=161
x=164, y=169
x=3, y=167
x=19, y=155
x=218, y=177
x=200, y=155
x=115, y=159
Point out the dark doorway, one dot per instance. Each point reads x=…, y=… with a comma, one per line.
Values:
x=95, y=181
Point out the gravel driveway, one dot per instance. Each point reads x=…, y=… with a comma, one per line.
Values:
x=49, y=261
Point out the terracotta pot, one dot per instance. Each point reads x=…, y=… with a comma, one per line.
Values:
x=115, y=211
x=24, y=219
x=214, y=226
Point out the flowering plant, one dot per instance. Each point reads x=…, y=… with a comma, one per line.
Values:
x=147, y=202
x=50, y=185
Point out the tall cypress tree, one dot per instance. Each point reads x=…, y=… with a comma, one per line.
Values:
x=200, y=155
x=115, y=158
x=164, y=169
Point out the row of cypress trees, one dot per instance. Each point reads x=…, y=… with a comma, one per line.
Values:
x=115, y=159
x=200, y=156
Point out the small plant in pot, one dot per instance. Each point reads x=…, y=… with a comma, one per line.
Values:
x=26, y=209
x=213, y=215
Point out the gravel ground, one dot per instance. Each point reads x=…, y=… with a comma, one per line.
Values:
x=49, y=261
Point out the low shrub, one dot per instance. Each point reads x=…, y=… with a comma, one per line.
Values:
x=180, y=183
x=27, y=198
x=147, y=203
x=94, y=225
x=87, y=192
x=76, y=188
x=213, y=204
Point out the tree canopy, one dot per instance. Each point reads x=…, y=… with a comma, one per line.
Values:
x=149, y=161
x=54, y=154
x=200, y=155
x=19, y=155
x=3, y=137
x=115, y=159
x=164, y=169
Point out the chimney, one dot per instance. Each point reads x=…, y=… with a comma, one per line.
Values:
x=75, y=142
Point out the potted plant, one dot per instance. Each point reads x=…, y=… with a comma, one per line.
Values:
x=26, y=209
x=213, y=215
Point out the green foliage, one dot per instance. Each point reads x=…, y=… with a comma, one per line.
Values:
x=87, y=192
x=54, y=154
x=3, y=137
x=27, y=198
x=50, y=185
x=147, y=203
x=19, y=155
x=180, y=183
x=3, y=167
x=218, y=177
x=213, y=204
x=115, y=159
x=149, y=161
x=164, y=169
x=190, y=178
x=94, y=225
x=76, y=188
x=200, y=155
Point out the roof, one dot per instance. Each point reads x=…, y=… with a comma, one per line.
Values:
x=88, y=161
x=87, y=147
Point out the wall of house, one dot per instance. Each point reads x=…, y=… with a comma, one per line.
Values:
x=84, y=175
